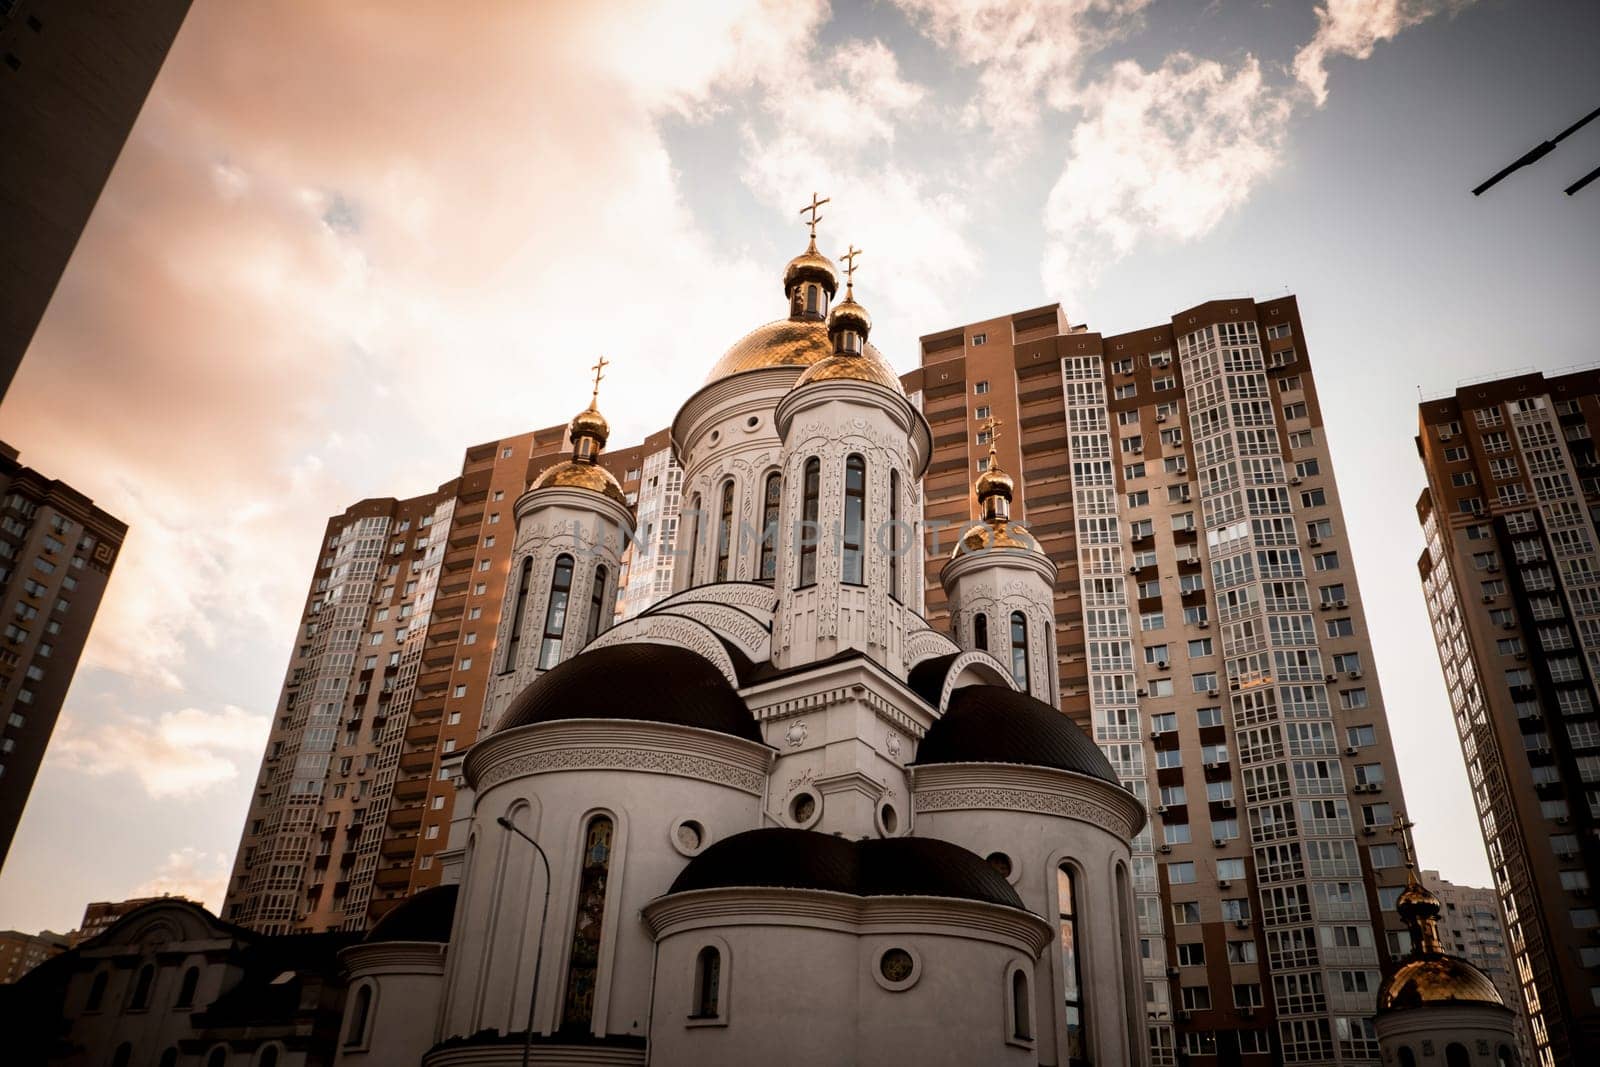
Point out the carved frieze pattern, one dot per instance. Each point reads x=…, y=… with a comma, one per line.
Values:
x=997, y=799
x=625, y=759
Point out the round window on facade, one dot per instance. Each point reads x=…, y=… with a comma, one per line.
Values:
x=689, y=836
x=803, y=809
x=1001, y=863
x=888, y=820
x=898, y=968
x=716, y=435
x=752, y=422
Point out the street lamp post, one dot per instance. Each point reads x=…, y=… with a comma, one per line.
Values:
x=538, y=954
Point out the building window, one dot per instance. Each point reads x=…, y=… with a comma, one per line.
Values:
x=855, y=517
x=555, y=614
x=360, y=1014
x=191, y=980
x=769, y=525
x=97, y=992
x=980, y=388
x=694, y=535
x=979, y=338
x=725, y=531
x=810, y=487
x=515, y=638
x=597, y=599
x=141, y=988
x=124, y=1054
x=1021, y=1023
x=980, y=631
x=1019, y=649
x=577, y=1010
x=1071, y=966
x=894, y=534
x=707, y=980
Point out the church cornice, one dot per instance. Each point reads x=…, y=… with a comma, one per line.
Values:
x=1015, y=787
x=861, y=679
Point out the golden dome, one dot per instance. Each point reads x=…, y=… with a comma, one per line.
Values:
x=1001, y=533
x=589, y=422
x=576, y=474
x=869, y=367
x=1437, y=980
x=785, y=343
x=993, y=481
x=848, y=315
x=811, y=266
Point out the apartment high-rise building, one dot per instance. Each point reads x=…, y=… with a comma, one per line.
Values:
x=56, y=554
x=1210, y=633
x=1470, y=927
x=1512, y=581
x=21, y=953
x=73, y=78
x=386, y=686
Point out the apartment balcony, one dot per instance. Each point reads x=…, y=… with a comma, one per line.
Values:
x=399, y=847
x=411, y=786
x=416, y=760
x=405, y=817
x=390, y=878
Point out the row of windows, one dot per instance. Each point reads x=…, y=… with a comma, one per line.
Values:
x=555, y=614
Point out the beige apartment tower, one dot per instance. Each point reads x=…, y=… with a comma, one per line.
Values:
x=1512, y=581
x=1210, y=633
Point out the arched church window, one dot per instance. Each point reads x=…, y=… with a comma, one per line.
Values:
x=769, y=525
x=191, y=981
x=97, y=992
x=694, y=535
x=980, y=631
x=555, y=613
x=169, y=1058
x=584, y=965
x=1407, y=1057
x=1021, y=1028
x=725, y=531
x=855, y=517
x=514, y=641
x=1019, y=649
x=268, y=1057
x=1504, y=1057
x=813, y=300
x=218, y=1057
x=123, y=1056
x=141, y=988
x=894, y=534
x=359, y=1014
x=1455, y=1055
x=1071, y=965
x=707, y=982
x=810, y=488
x=597, y=602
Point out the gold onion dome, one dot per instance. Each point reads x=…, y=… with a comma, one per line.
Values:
x=811, y=266
x=590, y=423
x=575, y=474
x=867, y=367
x=995, y=489
x=853, y=359
x=589, y=431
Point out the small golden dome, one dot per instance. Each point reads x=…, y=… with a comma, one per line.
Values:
x=1437, y=980
x=849, y=315
x=811, y=266
x=984, y=534
x=590, y=423
x=868, y=367
x=994, y=481
x=576, y=474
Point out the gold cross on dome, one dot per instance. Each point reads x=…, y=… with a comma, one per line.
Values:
x=1402, y=829
x=849, y=260
x=992, y=426
x=811, y=208
x=598, y=368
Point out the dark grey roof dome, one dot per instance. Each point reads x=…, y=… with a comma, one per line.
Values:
x=637, y=680
x=776, y=857
x=994, y=724
x=424, y=916
x=927, y=678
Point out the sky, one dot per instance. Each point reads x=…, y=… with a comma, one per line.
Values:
x=346, y=241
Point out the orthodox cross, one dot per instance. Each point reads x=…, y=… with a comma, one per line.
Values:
x=598, y=368
x=849, y=259
x=1402, y=829
x=992, y=427
x=811, y=208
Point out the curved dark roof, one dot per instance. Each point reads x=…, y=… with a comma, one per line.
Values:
x=994, y=724
x=638, y=680
x=927, y=678
x=425, y=916
x=776, y=857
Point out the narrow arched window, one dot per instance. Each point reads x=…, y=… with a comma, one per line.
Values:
x=980, y=631
x=694, y=536
x=97, y=992
x=1407, y=1057
x=1019, y=649
x=141, y=988
x=1071, y=965
x=894, y=535
x=813, y=301
x=725, y=531
x=268, y=1057
x=555, y=613
x=1504, y=1057
x=597, y=602
x=360, y=1012
x=218, y=1057
x=707, y=980
x=169, y=1058
x=583, y=967
x=769, y=525
x=123, y=1056
x=1021, y=1029
x=808, y=534
x=524, y=581
x=1455, y=1055
x=191, y=981
x=855, y=517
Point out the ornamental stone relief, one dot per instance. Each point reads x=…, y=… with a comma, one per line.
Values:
x=626, y=759
x=757, y=599
x=671, y=630
x=753, y=639
x=997, y=799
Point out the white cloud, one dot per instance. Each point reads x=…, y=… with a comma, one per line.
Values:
x=189, y=872
x=1354, y=28
x=1166, y=153
x=176, y=754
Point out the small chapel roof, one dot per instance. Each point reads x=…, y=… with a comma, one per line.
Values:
x=995, y=724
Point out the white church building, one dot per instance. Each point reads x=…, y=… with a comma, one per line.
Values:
x=777, y=818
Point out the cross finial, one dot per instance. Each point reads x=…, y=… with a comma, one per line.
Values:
x=811, y=209
x=598, y=368
x=992, y=426
x=1402, y=829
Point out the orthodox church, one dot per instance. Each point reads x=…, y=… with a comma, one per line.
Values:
x=777, y=817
